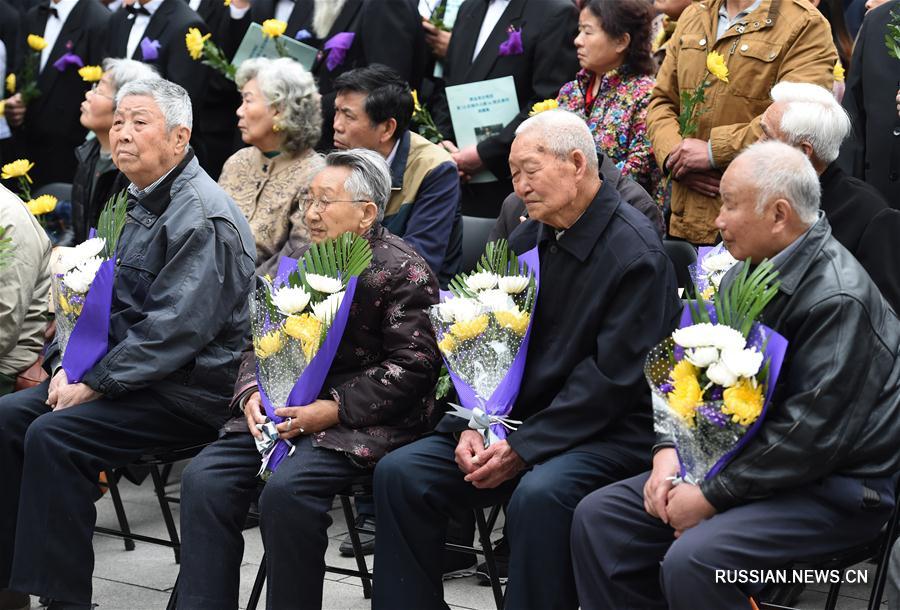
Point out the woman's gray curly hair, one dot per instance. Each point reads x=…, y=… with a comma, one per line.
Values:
x=292, y=91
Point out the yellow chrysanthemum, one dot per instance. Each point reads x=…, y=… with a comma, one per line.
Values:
x=540, y=107
x=17, y=169
x=708, y=293
x=11, y=83
x=90, y=74
x=227, y=3
x=743, y=401
x=686, y=394
x=2, y=107
x=42, y=205
x=64, y=304
x=447, y=344
x=194, y=41
x=715, y=63
x=839, y=72
x=273, y=28
x=516, y=321
x=470, y=329
x=304, y=327
x=415, y=96
x=36, y=42
x=268, y=345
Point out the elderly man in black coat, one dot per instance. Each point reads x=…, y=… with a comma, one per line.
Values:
x=607, y=295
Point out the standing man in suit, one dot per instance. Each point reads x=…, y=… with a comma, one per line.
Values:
x=547, y=61
x=9, y=36
x=48, y=130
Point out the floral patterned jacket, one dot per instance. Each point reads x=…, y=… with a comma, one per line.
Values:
x=384, y=374
x=618, y=121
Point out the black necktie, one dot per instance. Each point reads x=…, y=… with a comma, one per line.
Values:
x=136, y=9
x=48, y=10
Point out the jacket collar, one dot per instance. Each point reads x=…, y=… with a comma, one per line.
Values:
x=792, y=268
x=831, y=174
x=398, y=165
x=87, y=149
x=763, y=17
x=580, y=238
x=159, y=198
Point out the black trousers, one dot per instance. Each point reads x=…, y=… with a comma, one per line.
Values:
x=217, y=488
x=417, y=487
x=626, y=559
x=49, y=465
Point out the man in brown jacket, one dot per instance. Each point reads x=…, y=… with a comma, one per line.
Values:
x=763, y=42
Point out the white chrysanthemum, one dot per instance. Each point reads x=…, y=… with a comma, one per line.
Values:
x=326, y=310
x=720, y=262
x=323, y=283
x=724, y=337
x=459, y=309
x=496, y=300
x=79, y=279
x=73, y=257
x=720, y=374
x=290, y=300
x=483, y=280
x=702, y=356
x=514, y=284
x=742, y=362
x=709, y=335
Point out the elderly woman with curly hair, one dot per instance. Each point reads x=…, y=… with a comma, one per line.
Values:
x=281, y=119
x=612, y=90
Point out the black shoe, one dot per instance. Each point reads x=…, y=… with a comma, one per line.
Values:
x=501, y=561
x=366, y=541
x=458, y=565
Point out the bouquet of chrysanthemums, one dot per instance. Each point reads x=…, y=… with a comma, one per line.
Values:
x=712, y=379
x=298, y=320
x=711, y=266
x=82, y=292
x=483, y=324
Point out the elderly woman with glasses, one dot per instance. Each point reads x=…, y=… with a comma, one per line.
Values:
x=97, y=178
x=378, y=396
x=280, y=118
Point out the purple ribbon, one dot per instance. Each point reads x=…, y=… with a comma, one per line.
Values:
x=89, y=340
x=302, y=35
x=337, y=47
x=149, y=49
x=309, y=385
x=513, y=43
x=504, y=396
x=69, y=59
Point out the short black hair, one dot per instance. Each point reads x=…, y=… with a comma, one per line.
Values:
x=387, y=95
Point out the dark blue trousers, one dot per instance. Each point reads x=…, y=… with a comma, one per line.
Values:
x=419, y=486
x=626, y=559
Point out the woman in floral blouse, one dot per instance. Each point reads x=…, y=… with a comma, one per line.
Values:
x=612, y=90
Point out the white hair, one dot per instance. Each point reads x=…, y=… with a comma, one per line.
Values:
x=812, y=115
x=123, y=71
x=780, y=171
x=173, y=101
x=370, y=176
x=562, y=132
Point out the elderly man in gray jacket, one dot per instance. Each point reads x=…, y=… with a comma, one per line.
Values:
x=178, y=324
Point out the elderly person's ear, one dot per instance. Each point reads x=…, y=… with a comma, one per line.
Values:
x=580, y=161
x=369, y=216
x=182, y=137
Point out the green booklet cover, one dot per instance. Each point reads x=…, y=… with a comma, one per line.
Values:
x=256, y=44
x=481, y=110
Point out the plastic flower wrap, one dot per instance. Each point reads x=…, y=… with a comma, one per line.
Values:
x=298, y=320
x=712, y=379
x=82, y=292
x=692, y=100
x=711, y=266
x=483, y=325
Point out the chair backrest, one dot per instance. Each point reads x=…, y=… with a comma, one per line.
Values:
x=475, y=237
x=682, y=254
x=60, y=190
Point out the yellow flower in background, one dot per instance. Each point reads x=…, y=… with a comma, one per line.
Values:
x=715, y=63
x=416, y=105
x=17, y=169
x=194, y=41
x=470, y=329
x=447, y=344
x=743, y=401
x=686, y=394
x=544, y=106
x=516, y=321
x=268, y=345
x=227, y=2
x=36, y=42
x=11, y=83
x=2, y=107
x=273, y=28
x=90, y=74
x=42, y=205
x=839, y=72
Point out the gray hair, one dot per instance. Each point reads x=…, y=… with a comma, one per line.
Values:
x=173, y=101
x=562, y=132
x=292, y=91
x=123, y=71
x=811, y=114
x=780, y=171
x=370, y=176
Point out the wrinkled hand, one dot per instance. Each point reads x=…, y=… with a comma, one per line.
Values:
x=253, y=411
x=58, y=381
x=469, y=451
x=449, y=146
x=314, y=417
x=74, y=394
x=15, y=110
x=657, y=487
x=692, y=155
x=467, y=161
x=687, y=507
x=705, y=183
x=501, y=463
x=436, y=38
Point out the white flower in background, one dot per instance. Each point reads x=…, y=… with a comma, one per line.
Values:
x=702, y=356
x=459, y=309
x=721, y=375
x=79, y=279
x=514, y=284
x=742, y=362
x=323, y=283
x=73, y=257
x=718, y=262
x=483, y=280
x=497, y=300
x=290, y=300
x=327, y=309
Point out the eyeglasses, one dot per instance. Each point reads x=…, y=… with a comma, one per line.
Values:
x=321, y=204
x=94, y=91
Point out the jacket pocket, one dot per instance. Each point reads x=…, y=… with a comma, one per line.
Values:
x=133, y=278
x=754, y=68
x=692, y=50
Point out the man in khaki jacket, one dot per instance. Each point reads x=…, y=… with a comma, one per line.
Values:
x=763, y=42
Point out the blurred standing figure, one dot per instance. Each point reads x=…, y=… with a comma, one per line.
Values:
x=664, y=25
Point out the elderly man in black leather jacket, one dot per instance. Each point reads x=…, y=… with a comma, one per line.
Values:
x=819, y=474
x=178, y=324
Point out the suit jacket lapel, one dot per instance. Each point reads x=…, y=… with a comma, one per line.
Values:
x=345, y=19
x=467, y=36
x=260, y=10
x=157, y=25
x=488, y=55
x=71, y=32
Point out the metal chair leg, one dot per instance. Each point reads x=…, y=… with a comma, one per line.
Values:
x=364, y=575
x=173, y=597
x=113, y=487
x=484, y=534
x=833, y=592
x=166, y=511
x=883, y=562
x=256, y=592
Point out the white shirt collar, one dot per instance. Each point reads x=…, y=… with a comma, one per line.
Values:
x=152, y=6
x=63, y=8
x=390, y=157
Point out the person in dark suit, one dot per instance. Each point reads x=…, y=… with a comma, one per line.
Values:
x=9, y=37
x=873, y=152
x=48, y=130
x=547, y=61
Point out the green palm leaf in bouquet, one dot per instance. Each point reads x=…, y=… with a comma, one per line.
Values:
x=112, y=221
x=740, y=303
